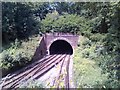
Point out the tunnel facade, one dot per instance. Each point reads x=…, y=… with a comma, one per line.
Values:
x=60, y=47
x=56, y=43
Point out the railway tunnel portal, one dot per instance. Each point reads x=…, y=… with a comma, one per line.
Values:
x=56, y=43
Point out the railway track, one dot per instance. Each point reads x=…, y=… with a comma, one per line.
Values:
x=38, y=69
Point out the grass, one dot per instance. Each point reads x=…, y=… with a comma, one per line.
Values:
x=87, y=74
x=27, y=49
x=21, y=54
x=31, y=84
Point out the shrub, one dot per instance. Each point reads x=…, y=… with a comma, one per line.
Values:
x=111, y=83
x=68, y=23
x=9, y=61
x=6, y=61
x=86, y=42
x=16, y=44
x=31, y=84
x=20, y=60
x=100, y=50
x=85, y=54
x=18, y=54
x=87, y=33
x=92, y=56
x=97, y=37
x=86, y=73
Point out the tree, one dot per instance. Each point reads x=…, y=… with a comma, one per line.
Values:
x=68, y=23
x=21, y=19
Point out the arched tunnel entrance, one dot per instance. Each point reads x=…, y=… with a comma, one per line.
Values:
x=60, y=47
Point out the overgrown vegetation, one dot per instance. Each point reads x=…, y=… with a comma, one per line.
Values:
x=31, y=84
x=20, y=20
x=67, y=23
x=87, y=73
x=98, y=22
x=19, y=54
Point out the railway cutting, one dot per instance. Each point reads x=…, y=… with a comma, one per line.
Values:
x=52, y=63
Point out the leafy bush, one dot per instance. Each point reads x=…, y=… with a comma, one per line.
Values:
x=107, y=63
x=6, y=61
x=86, y=73
x=19, y=54
x=9, y=61
x=19, y=20
x=97, y=37
x=86, y=42
x=16, y=44
x=85, y=54
x=66, y=23
x=87, y=33
x=88, y=49
x=110, y=83
x=31, y=84
x=100, y=50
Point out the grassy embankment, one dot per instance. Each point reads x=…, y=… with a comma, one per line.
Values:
x=19, y=54
x=87, y=73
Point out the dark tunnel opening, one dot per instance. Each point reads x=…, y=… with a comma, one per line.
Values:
x=61, y=47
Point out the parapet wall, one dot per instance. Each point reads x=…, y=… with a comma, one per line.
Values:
x=70, y=38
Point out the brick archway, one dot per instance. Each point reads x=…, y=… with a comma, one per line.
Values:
x=50, y=38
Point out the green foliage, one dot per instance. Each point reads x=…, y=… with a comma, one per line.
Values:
x=21, y=19
x=89, y=49
x=97, y=37
x=87, y=33
x=13, y=60
x=112, y=46
x=31, y=84
x=66, y=23
x=6, y=62
x=86, y=42
x=98, y=12
x=85, y=53
x=19, y=54
x=87, y=73
x=97, y=55
x=107, y=63
x=110, y=65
